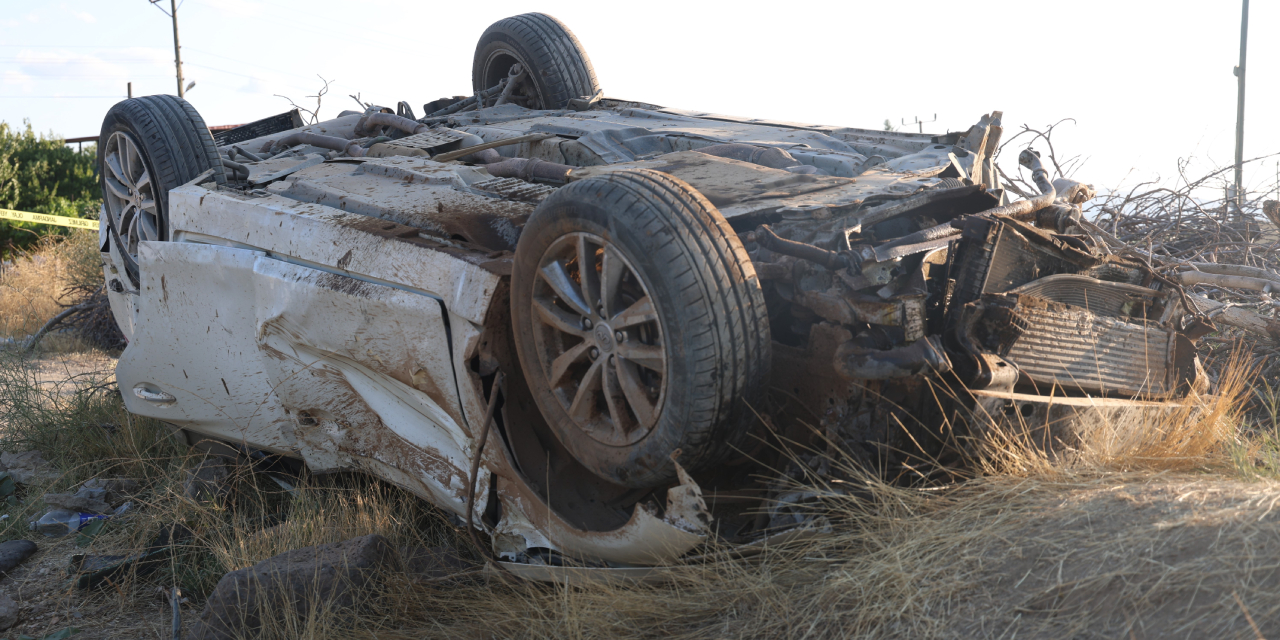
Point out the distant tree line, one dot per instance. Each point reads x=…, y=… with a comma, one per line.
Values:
x=41, y=173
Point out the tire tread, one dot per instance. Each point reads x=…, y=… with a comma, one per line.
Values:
x=713, y=279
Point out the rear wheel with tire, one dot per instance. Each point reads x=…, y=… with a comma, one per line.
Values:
x=556, y=67
x=148, y=146
x=640, y=325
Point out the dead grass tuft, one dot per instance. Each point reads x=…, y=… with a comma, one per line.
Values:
x=32, y=286
x=1124, y=537
x=1197, y=433
x=1152, y=555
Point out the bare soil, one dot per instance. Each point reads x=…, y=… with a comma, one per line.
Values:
x=66, y=373
x=1162, y=557
x=49, y=601
x=1084, y=555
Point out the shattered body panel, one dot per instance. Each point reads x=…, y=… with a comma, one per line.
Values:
x=349, y=306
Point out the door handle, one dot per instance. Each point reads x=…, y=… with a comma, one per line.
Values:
x=154, y=397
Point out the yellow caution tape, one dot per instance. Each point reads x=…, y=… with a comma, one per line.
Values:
x=44, y=218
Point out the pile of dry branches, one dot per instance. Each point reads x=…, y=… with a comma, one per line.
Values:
x=1225, y=250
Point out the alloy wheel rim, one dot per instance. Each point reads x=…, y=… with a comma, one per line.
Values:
x=130, y=196
x=598, y=339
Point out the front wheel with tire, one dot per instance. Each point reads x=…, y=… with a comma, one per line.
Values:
x=556, y=68
x=148, y=146
x=640, y=325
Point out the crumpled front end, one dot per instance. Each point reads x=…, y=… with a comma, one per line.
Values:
x=925, y=307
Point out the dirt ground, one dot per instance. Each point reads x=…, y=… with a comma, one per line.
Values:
x=60, y=371
x=49, y=602
x=40, y=585
x=1164, y=557
x=1100, y=555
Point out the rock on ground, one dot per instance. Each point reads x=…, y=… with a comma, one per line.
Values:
x=13, y=552
x=208, y=481
x=26, y=467
x=8, y=612
x=94, y=496
x=293, y=584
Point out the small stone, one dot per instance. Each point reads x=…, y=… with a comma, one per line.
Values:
x=81, y=501
x=26, y=467
x=13, y=552
x=208, y=481
x=291, y=584
x=8, y=612
x=116, y=490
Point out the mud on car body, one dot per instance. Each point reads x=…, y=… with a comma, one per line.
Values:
x=585, y=325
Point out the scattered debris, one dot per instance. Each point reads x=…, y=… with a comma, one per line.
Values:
x=8, y=612
x=92, y=571
x=61, y=522
x=89, y=532
x=296, y=582
x=94, y=496
x=430, y=564
x=209, y=480
x=26, y=467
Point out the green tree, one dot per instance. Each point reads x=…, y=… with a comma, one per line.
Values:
x=41, y=173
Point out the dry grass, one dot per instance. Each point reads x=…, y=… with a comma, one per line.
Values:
x=32, y=286
x=1166, y=534
x=1127, y=555
x=85, y=432
x=1197, y=433
x=1130, y=536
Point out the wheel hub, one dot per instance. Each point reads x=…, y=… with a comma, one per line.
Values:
x=598, y=339
x=604, y=338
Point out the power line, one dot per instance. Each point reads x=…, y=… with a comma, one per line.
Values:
x=71, y=46
x=93, y=75
x=292, y=13
x=69, y=60
x=252, y=64
x=59, y=97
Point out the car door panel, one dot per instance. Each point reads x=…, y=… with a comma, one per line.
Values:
x=194, y=341
x=365, y=371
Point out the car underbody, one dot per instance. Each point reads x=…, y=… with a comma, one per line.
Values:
x=342, y=293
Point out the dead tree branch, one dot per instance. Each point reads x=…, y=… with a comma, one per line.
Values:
x=314, y=114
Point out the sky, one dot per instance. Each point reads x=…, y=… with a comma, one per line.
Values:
x=1144, y=84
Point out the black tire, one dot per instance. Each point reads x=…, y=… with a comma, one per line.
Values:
x=710, y=324
x=559, y=67
x=174, y=146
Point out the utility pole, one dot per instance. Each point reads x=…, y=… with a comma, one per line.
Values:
x=1239, y=73
x=177, y=49
x=177, y=60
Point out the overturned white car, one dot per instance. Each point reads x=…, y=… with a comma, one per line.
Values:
x=586, y=325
